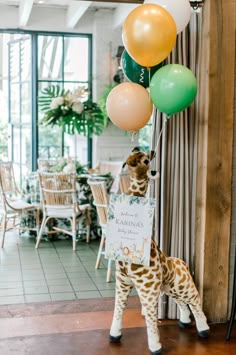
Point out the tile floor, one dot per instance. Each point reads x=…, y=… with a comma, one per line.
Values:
x=52, y=273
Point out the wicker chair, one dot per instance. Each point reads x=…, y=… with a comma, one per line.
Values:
x=124, y=182
x=12, y=205
x=101, y=201
x=59, y=201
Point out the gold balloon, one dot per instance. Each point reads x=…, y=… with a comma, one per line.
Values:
x=129, y=106
x=149, y=34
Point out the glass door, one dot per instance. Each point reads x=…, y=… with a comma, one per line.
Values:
x=19, y=89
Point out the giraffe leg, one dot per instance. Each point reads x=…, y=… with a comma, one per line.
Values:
x=123, y=289
x=184, y=312
x=149, y=309
x=183, y=290
x=200, y=318
x=184, y=315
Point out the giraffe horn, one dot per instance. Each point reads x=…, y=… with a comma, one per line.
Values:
x=152, y=154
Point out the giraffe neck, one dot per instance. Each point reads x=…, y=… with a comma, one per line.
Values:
x=138, y=187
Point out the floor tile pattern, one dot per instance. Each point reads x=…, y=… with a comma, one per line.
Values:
x=51, y=273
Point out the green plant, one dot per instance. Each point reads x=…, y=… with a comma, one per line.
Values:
x=69, y=110
x=102, y=101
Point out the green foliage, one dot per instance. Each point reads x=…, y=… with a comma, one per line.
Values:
x=103, y=99
x=90, y=120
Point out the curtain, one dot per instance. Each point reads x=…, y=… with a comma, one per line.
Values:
x=175, y=140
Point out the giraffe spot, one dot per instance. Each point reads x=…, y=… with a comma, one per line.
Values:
x=169, y=263
x=133, y=187
x=142, y=188
x=149, y=284
x=183, y=279
x=151, y=276
x=177, y=262
x=181, y=287
x=178, y=272
x=157, y=285
x=153, y=253
x=140, y=274
x=135, y=267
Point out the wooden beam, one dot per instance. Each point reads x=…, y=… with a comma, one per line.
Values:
x=213, y=207
x=25, y=9
x=75, y=12
x=118, y=1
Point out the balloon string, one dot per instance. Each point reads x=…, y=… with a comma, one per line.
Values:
x=160, y=134
x=149, y=76
x=134, y=135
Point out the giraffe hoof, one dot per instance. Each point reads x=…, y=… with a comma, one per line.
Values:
x=184, y=325
x=203, y=334
x=115, y=339
x=157, y=352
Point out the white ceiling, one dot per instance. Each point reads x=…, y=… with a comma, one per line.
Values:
x=75, y=9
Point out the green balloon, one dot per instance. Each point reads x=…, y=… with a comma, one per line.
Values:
x=173, y=88
x=137, y=73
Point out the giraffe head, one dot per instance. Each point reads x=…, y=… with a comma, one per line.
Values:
x=138, y=163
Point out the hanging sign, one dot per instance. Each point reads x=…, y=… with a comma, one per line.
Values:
x=129, y=229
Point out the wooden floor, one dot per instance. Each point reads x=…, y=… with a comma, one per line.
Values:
x=82, y=327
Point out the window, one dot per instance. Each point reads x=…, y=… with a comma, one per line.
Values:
x=64, y=61
x=29, y=62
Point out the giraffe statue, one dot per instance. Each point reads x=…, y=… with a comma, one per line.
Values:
x=165, y=274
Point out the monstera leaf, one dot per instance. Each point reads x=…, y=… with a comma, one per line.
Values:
x=58, y=107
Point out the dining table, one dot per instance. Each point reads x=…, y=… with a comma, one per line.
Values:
x=31, y=194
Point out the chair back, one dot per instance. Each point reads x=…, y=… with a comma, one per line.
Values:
x=47, y=164
x=58, y=190
x=100, y=199
x=8, y=184
x=124, y=182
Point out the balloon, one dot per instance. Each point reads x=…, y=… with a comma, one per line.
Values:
x=129, y=106
x=149, y=34
x=137, y=73
x=173, y=88
x=179, y=9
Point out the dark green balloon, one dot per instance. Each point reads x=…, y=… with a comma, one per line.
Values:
x=137, y=73
x=173, y=88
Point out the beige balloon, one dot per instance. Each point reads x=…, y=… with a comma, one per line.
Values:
x=129, y=106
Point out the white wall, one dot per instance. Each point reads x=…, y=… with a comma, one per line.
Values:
x=114, y=143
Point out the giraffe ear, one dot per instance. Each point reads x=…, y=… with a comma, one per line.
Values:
x=135, y=150
x=152, y=154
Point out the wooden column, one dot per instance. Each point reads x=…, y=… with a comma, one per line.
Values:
x=216, y=102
